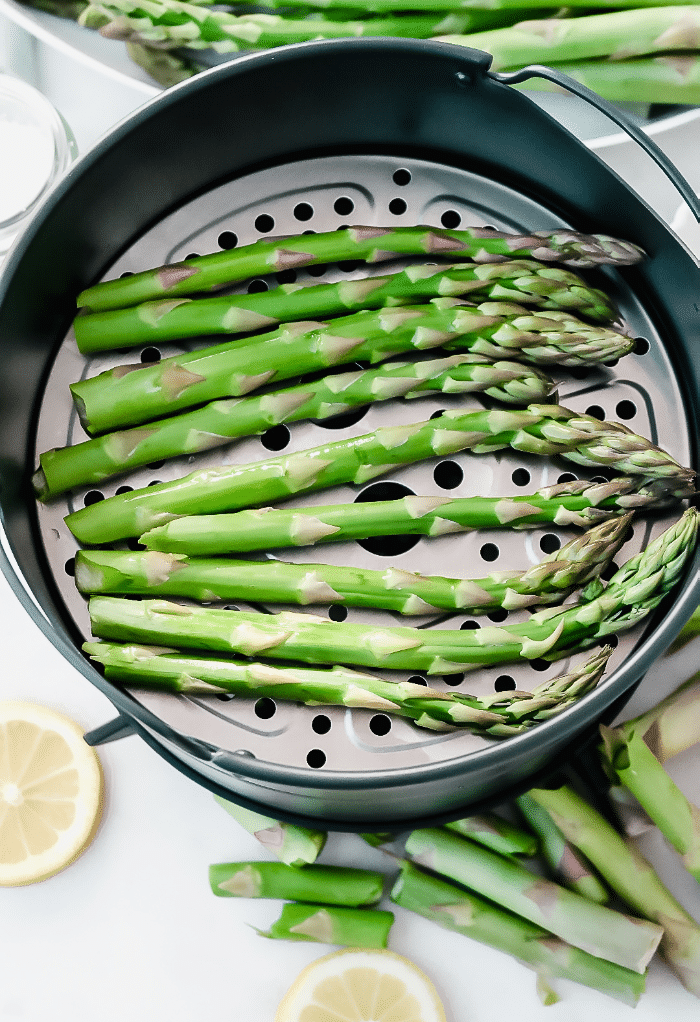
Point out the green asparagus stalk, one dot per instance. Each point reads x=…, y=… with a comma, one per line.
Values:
x=616, y=34
x=496, y=833
x=377, y=838
x=669, y=78
x=384, y=6
x=71, y=9
x=630, y=876
x=151, y=573
x=330, y=924
x=218, y=422
x=165, y=68
x=293, y=845
x=628, y=759
x=173, y=23
x=133, y=394
x=578, y=502
x=689, y=631
x=568, y=866
x=499, y=716
x=465, y=912
x=673, y=725
x=539, y=429
x=593, y=928
x=547, y=287
x=371, y=244
x=633, y=591
x=327, y=885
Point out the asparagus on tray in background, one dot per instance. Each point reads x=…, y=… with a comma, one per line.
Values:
x=578, y=502
x=221, y=421
x=151, y=573
x=547, y=287
x=669, y=78
x=133, y=394
x=631, y=594
x=368, y=244
x=499, y=716
x=171, y=23
x=538, y=429
x=614, y=34
x=383, y=6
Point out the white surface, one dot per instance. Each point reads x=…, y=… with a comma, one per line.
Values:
x=131, y=930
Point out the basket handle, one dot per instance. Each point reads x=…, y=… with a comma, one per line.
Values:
x=640, y=137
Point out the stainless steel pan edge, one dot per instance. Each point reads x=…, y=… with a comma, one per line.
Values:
x=316, y=99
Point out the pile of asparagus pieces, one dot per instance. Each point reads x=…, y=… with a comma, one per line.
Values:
x=548, y=879
x=625, y=51
x=182, y=533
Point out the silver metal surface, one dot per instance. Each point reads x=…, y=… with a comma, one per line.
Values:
x=358, y=741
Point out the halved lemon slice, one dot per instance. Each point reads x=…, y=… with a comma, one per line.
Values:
x=357, y=985
x=50, y=792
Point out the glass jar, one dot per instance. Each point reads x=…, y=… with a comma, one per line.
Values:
x=36, y=147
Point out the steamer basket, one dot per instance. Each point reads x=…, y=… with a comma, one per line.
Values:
x=372, y=132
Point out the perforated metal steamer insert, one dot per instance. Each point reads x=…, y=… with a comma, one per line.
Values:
x=321, y=195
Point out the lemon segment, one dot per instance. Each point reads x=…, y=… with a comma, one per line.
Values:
x=357, y=985
x=50, y=792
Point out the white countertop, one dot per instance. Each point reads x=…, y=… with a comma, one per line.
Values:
x=132, y=931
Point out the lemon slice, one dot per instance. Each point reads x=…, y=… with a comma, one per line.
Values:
x=357, y=985
x=50, y=792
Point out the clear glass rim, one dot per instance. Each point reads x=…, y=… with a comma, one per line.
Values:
x=49, y=116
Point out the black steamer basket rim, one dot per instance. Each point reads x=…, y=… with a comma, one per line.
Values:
x=427, y=95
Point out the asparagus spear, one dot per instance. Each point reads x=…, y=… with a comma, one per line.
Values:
x=165, y=68
x=568, y=866
x=330, y=924
x=502, y=715
x=218, y=422
x=465, y=912
x=633, y=591
x=371, y=244
x=689, y=631
x=668, y=78
x=593, y=928
x=130, y=395
x=539, y=429
x=293, y=845
x=628, y=759
x=496, y=833
x=673, y=725
x=329, y=885
x=377, y=838
x=151, y=573
x=173, y=23
x=616, y=35
x=544, y=429
x=548, y=287
x=383, y=6
x=630, y=876
x=577, y=502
